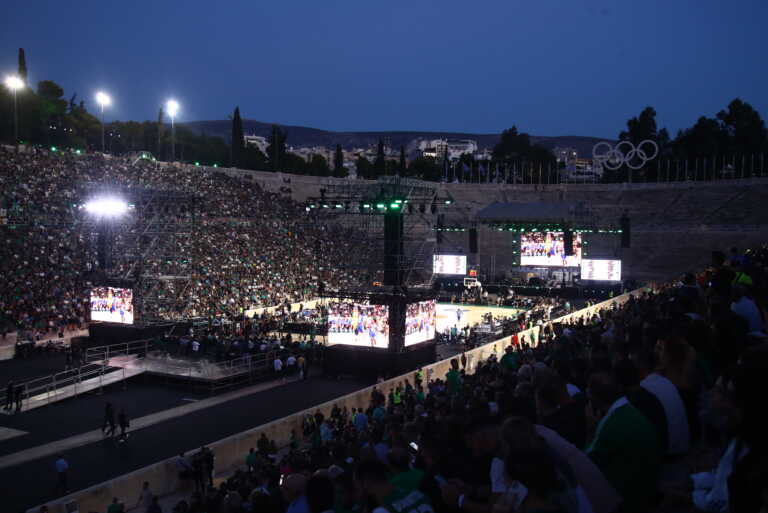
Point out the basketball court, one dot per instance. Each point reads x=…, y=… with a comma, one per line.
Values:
x=450, y=315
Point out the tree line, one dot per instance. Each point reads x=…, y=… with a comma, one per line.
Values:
x=733, y=137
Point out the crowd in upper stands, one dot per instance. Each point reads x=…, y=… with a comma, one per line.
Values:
x=235, y=246
x=655, y=404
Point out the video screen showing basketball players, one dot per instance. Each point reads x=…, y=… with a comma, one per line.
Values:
x=110, y=304
x=547, y=249
x=419, y=322
x=358, y=324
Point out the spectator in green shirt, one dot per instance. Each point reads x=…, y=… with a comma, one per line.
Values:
x=511, y=360
x=251, y=460
x=453, y=377
x=625, y=445
x=374, y=482
x=116, y=506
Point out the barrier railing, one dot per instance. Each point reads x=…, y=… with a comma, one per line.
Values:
x=50, y=388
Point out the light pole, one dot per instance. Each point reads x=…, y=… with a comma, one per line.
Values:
x=103, y=100
x=14, y=83
x=172, y=108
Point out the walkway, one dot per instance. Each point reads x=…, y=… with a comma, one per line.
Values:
x=27, y=477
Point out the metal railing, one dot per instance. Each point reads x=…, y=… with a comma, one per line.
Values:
x=50, y=388
x=138, y=348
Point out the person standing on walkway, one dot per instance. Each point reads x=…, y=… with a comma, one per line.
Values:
x=19, y=397
x=9, y=395
x=145, y=497
x=122, y=419
x=108, y=426
x=62, y=467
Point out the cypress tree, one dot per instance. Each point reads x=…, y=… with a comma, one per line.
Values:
x=338, y=162
x=22, y=65
x=238, y=142
x=160, y=121
x=379, y=165
x=401, y=169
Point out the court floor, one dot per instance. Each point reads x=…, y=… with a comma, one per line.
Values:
x=450, y=315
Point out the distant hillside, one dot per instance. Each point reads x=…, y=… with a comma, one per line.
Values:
x=306, y=136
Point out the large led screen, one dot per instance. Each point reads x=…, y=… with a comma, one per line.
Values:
x=419, y=322
x=449, y=264
x=358, y=324
x=111, y=304
x=601, y=270
x=547, y=249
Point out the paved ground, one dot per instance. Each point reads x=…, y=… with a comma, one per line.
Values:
x=33, y=482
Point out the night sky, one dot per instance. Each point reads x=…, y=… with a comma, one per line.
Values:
x=551, y=67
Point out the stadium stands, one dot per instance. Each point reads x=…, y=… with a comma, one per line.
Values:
x=649, y=402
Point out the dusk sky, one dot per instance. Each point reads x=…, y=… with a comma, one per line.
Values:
x=551, y=67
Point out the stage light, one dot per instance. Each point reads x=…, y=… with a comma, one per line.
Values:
x=197, y=163
x=107, y=207
x=380, y=206
x=53, y=148
x=394, y=205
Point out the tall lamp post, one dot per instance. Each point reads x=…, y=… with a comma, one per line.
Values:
x=14, y=83
x=172, y=108
x=103, y=100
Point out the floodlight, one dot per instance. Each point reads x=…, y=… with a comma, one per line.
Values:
x=103, y=99
x=13, y=82
x=106, y=207
x=172, y=108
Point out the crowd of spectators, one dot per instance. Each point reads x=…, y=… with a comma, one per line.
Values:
x=650, y=405
x=231, y=246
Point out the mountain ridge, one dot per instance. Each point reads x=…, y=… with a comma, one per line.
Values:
x=309, y=136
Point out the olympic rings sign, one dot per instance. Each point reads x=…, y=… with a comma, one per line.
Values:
x=613, y=157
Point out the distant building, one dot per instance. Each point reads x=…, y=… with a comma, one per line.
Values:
x=436, y=148
x=565, y=155
x=582, y=171
x=256, y=140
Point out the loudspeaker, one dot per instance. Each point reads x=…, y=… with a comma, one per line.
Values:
x=625, y=233
x=473, y=240
x=568, y=242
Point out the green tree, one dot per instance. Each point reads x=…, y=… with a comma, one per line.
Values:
x=514, y=145
x=339, y=170
x=276, y=150
x=379, y=165
x=22, y=65
x=364, y=168
x=425, y=168
x=318, y=166
x=238, y=141
x=704, y=138
x=254, y=158
x=641, y=127
x=160, y=129
x=744, y=127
